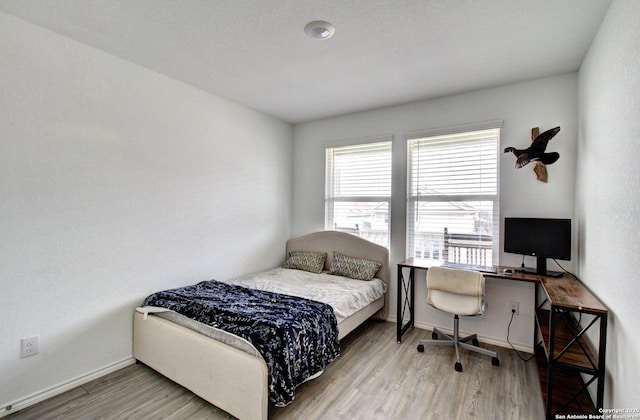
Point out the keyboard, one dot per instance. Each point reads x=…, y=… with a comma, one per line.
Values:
x=480, y=268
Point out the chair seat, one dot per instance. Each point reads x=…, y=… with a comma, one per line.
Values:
x=456, y=304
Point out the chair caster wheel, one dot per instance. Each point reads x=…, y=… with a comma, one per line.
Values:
x=495, y=361
x=458, y=367
x=434, y=335
x=475, y=342
x=420, y=348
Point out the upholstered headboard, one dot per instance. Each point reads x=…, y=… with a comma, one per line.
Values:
x=346, y=244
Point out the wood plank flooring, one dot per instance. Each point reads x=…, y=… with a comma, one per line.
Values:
x=374, y=378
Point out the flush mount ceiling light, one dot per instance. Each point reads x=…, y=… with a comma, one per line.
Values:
x=319, y=29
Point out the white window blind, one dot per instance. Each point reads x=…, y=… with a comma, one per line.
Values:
x=358, y=190
x=453, y=200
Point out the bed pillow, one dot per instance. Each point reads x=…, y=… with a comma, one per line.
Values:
x=355, y=268
x=306, y=260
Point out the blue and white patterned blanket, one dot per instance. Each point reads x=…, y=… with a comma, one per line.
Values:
x=296, y=337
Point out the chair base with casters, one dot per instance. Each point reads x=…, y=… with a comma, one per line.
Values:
x=457, y=292
x=441, y=339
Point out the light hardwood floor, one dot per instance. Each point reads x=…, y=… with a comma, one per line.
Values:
x=374, y=378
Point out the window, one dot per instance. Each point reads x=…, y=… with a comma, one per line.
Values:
x=453, y=201
x=358, y=190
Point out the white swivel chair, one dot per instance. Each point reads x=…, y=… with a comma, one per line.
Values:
x=459, y=292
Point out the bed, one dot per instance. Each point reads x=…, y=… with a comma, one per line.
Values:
x=230, y=377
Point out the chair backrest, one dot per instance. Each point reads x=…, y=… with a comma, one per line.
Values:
x=455, y=291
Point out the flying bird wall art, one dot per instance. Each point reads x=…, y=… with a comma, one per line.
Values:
x=537, y=152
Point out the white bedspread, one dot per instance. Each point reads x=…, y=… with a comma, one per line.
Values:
x=346, y=296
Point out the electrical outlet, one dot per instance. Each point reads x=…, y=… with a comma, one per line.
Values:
x=514, y=307
x=30, y=346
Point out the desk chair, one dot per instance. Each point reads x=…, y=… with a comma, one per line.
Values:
x=459, y=292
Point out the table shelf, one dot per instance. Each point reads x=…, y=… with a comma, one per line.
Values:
x=579, y=356
x=567, y=362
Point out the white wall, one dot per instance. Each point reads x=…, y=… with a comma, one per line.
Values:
x=608, y=182
x=544, y=103
x=116, y=182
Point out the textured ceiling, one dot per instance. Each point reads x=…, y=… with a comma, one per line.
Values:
x=384, y=52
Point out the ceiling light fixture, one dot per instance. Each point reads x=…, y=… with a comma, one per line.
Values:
x=319, y=29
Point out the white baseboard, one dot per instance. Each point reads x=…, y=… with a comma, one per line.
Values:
x=483, y=339
x=12, y=407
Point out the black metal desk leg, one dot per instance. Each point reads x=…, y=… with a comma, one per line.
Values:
x=399, y=305
x=406, y=303
x=602, y=349
x=412, y=300
x=552, y=361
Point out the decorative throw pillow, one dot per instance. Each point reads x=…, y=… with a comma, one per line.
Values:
x=355, y=268
x=306, y=260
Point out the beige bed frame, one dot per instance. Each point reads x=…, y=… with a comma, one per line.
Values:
x=229, y=378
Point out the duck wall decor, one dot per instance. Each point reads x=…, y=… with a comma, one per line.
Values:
x=536, y=152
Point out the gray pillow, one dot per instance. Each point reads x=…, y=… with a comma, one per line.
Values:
x=306, y=260
x=355, y=268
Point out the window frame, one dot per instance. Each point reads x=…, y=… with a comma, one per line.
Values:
x=414, y=198
x=331, y=198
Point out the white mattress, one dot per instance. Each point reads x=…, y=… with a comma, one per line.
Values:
x=346, y=296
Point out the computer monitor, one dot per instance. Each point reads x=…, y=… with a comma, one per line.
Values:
x=541, y=238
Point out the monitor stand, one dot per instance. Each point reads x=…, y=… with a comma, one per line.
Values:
x=541, y=269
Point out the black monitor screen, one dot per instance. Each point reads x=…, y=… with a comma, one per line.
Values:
x=542, y=238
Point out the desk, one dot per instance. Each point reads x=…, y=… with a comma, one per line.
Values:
x=557, y=333
x=406, y=287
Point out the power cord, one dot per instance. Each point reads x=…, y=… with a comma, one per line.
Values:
x=513, y=312
x=566, y=271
